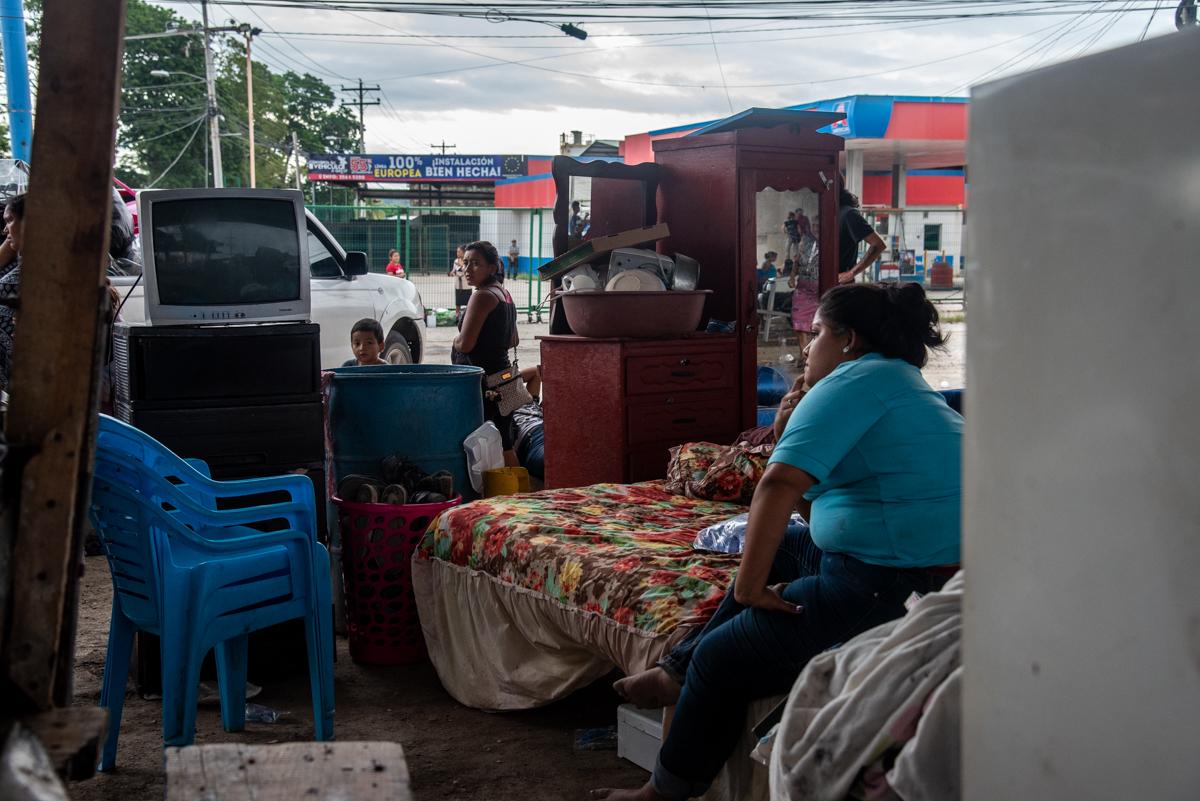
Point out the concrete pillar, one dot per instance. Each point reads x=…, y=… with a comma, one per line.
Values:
x=854, y=171
x=1082, y=611
x=899, y=186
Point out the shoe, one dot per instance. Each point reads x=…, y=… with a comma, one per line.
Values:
x=360, y=489
x=394, y=494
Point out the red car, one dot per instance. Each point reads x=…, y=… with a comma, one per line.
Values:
x=130, y=197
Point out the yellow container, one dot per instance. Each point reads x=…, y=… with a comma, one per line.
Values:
x=505, y=481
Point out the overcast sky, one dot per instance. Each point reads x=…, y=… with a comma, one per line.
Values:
x=460, y=90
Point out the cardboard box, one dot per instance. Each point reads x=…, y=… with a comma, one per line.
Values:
x=595, y=249
x=639, y=735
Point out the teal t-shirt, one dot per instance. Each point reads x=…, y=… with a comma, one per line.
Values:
x=886, y=453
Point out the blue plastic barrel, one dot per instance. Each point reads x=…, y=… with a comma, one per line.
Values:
x=766, y=415
x=772, y=386
x=421, y=411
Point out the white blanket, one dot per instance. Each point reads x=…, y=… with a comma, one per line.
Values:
x=891, y=693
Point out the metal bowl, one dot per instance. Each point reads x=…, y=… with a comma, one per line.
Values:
x=634, y=314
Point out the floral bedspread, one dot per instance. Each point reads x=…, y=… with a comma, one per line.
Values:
x=620, y=550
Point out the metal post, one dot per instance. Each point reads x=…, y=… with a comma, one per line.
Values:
x=16, y=70
x=250, y=100
x=296, y=153
x=539, y=251
x=529, y=311
x=408, y=244
x=214, y=132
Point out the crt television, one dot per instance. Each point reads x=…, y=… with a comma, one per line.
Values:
x=224, y=255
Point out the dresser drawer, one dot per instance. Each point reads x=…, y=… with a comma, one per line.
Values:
x=688, y=417
x=690, y=371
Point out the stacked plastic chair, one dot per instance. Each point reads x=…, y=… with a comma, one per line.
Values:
x=201, y=575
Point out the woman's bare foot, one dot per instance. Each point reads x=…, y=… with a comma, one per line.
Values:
x=643, y=793
x=649, y=689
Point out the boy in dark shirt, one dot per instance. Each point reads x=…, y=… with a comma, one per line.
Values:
x=366, y=340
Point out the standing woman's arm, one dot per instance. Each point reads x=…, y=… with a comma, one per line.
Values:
x=479, y=307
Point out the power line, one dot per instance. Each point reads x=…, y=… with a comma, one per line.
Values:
x=1153, y=13
x=361, y=90
x=636, y=82
x=175, y=161
x=651, y=11
x=720, y=68
x=172, y=131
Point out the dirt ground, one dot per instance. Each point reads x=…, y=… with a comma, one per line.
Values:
x=453, y=752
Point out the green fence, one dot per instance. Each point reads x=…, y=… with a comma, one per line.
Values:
x=427, y=238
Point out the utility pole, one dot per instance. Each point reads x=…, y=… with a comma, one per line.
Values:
x=250, y=33
x=214, y=131
x=443, y=146
x=296, y=153
x=16, y=73
x=361, y=91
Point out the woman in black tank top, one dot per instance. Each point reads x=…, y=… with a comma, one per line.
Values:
x=488, y=330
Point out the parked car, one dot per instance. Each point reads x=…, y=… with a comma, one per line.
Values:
x=343, y=292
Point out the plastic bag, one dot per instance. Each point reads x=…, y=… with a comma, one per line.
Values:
x=729, y=535
x=485, y=451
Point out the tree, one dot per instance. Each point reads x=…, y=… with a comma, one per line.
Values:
x=162, y=135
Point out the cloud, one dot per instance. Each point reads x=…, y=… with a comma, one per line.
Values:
x=626, y=83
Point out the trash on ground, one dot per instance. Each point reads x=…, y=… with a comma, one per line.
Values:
x=599, y=739
x=257, y=713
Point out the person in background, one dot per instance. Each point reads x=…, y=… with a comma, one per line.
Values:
x=462, y=290
x=366, y=340
x=394, y=267
x=791, y=250
x=766, y=271
x=803, y=225
x=528, y=427
x=514, y=256
x=574, y=226
x=10, y=281
x=853, y=228
x=488, y=331
x=871, y=455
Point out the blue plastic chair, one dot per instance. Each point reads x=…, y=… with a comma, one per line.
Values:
x=202, y=576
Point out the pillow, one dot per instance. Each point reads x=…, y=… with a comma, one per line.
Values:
x=762, y=435
x=734, y=474
x=688, y=464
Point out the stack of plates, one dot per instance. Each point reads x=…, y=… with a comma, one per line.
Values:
x=635, y=281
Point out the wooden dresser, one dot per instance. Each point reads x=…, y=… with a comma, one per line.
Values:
x=615, y=406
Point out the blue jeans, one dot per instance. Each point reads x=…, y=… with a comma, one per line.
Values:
x=744, y=654
x=531, y=453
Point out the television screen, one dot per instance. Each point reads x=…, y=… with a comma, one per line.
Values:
x=226, y=251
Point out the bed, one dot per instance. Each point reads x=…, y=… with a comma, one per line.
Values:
x=524, y=599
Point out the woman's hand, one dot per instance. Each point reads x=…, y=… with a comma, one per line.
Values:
x=847, y=277
x=771, y=599
x=788, y=405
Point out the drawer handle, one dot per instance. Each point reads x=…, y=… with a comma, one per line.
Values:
x=684, y=362
x=682, y=373
x=683, y=421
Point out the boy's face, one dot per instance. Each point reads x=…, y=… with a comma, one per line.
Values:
x=366, y=347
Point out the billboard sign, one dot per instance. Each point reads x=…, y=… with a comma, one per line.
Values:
x=413, y=169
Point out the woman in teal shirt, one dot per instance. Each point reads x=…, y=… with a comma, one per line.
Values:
x=872, y=456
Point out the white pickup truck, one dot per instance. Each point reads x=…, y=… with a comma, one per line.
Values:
x=343, y=292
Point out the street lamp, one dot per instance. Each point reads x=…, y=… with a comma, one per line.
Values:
x=214, y=134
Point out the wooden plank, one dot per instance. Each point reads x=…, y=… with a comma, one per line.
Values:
x=72, y=738
x=370, y=771
x=53, y=391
